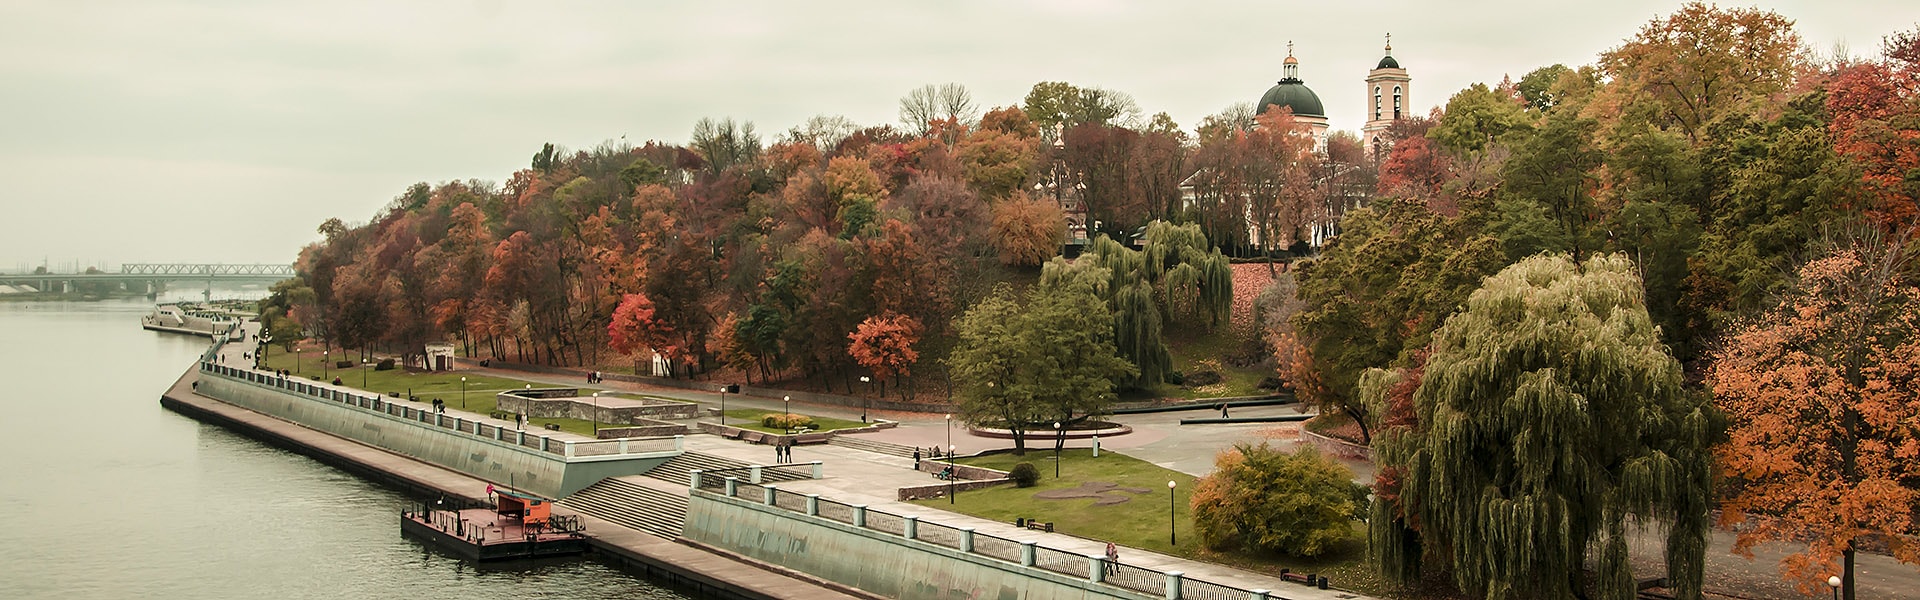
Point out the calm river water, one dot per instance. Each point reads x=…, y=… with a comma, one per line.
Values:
x=104, y=494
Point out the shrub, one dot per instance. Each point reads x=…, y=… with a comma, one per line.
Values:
x=385, y=364
x=785, y=421
x=342, y=364
x=1203, y=378
x=1259, y=498
x=1024, y=474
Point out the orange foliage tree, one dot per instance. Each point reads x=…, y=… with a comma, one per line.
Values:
x=1822, y=399
x=1876, y=122
x=635, y=327
x=884, y=344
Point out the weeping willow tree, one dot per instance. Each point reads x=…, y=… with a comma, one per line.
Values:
x=1177, y=278
x=1547, y=422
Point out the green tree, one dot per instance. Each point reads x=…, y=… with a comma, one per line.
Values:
x=1048, y=359
x=1258, y=498
x=1377, y=291
x=1478, y=116
x=1548, y=419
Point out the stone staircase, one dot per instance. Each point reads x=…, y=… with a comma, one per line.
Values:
x=874, y=446
x=676, y=471
x=632, y=505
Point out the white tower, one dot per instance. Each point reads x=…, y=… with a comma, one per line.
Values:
x=1389, y=96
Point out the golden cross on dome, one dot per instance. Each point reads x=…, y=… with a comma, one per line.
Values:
x=1389, y=42
x=1289, y=47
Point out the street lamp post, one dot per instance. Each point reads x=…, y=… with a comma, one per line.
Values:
x=952, y=489
x=1059, y=439
x=723, y=405
x=596, y=415
x=326, y=364
x=1172, y=538
x=788, y=400
x=865, y=402
x=463, y=392
x=1834, y=582
x=363, y=374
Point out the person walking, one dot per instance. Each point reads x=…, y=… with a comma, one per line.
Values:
x=916, y=458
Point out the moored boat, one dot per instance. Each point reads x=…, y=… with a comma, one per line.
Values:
x=517, y=526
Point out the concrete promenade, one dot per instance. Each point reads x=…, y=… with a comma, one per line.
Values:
x=1160, y=439
x=684, y=564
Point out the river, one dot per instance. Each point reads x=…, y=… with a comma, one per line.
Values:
x=104, y=494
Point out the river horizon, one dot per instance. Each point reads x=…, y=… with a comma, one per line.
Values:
x=113, y=496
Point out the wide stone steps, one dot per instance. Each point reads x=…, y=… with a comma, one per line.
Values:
x=874, y=446
x=676, y=471
x=632, y=505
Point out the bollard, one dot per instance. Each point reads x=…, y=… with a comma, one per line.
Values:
x=1173, y=584
x=966, y=540
x=1258, y=594
x=1096, y=568
x=693, y=478
x=753, y=474
x=860, y=515
x=819, y=470
x=771, y=493
x=813, y=505
x=1027, y=554
x=913, y=528
x=733, y=487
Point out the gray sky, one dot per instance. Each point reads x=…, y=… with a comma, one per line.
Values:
x=154, y=131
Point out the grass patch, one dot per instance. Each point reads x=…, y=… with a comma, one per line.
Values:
x=1141, y=521
x=748, y=418
x=478, y=399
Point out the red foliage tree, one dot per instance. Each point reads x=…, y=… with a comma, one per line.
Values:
x=1822, y=399
x=634, y=328
x=884, y=345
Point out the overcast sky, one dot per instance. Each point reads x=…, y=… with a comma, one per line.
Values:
x=158, y=131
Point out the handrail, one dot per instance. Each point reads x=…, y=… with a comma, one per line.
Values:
x=1172, y=585
x=524, y=441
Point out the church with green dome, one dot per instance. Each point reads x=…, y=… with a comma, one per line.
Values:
x=1388, y=94
x=1293, y=94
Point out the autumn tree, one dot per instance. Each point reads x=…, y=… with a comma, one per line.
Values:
x=1027, y=231
x=884, y=345
x=1703, y=62
x=1296, y=503
x=634, y=328
x=1875, y=109
x=1549, y=420
x=1823, y=415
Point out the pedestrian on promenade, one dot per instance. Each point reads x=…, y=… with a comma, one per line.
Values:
x=1113, y=558
x=776, y=453
x=1223, y=410
x=916, y=458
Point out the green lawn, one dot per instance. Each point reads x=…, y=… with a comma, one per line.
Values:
x=748, y=418
x=1196, y=350
x=1141, y=521
x=445, y=386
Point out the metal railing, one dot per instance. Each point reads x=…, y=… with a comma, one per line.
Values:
x=1062, y=562
x=532, y=441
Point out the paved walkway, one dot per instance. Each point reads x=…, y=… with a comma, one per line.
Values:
x=857, y=476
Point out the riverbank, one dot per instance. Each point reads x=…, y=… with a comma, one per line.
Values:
x=704, y=572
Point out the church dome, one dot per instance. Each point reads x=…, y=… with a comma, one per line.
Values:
x=1292, y=93
x=1387, y=62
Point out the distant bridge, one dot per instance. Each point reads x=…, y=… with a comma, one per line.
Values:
x=151, y=277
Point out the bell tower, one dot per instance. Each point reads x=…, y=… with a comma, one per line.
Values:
x=1389, y=96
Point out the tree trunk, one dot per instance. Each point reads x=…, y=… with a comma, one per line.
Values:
x=1846, y=573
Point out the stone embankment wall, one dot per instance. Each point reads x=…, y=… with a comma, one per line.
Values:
x=503, y=461
x=888, y=565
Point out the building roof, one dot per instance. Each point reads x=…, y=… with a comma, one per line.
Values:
x=1387, y=62
x=1292, y=93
